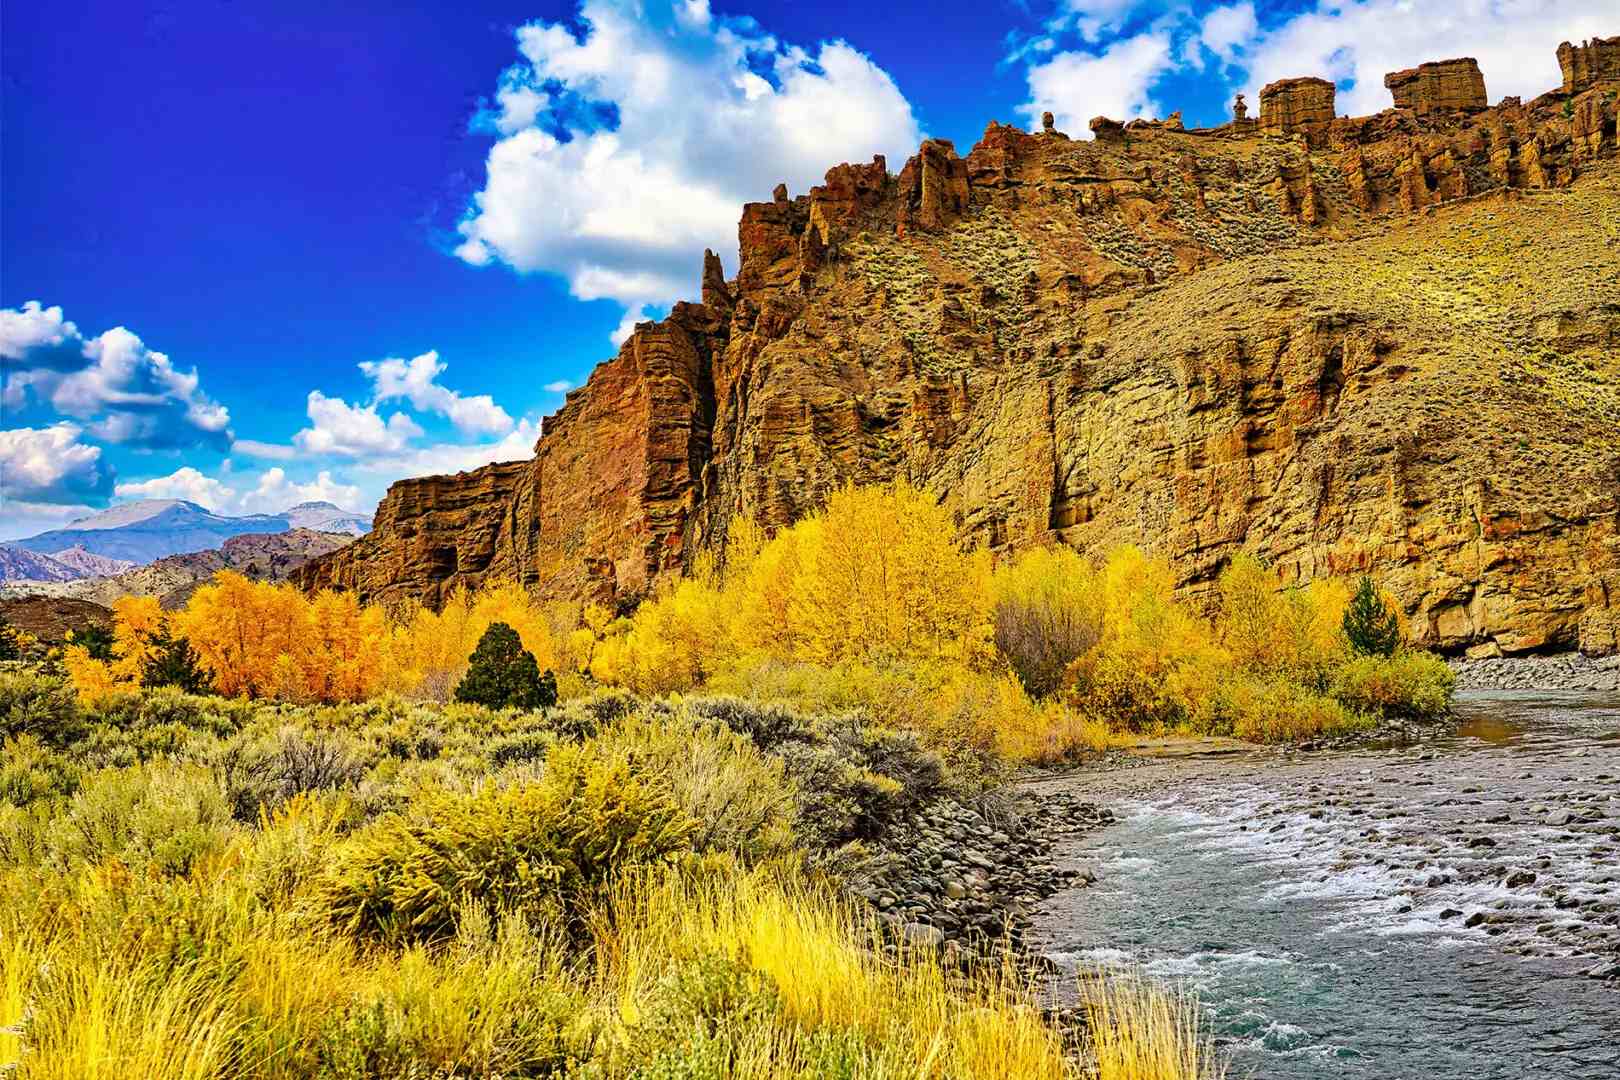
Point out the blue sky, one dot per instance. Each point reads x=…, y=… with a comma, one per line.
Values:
x=254, y=253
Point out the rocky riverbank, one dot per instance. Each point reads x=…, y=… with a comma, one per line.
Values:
x=964, y=876
x=1566, y=671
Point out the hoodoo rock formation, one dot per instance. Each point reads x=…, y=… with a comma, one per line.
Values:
x=1438, y=85
x=1392, y=345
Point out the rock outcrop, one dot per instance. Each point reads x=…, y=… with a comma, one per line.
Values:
x=1439, y=85
x=1589, y=63
x=1391, y=346
x=1302, y=106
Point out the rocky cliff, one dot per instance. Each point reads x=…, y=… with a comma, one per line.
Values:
x=1386, y=343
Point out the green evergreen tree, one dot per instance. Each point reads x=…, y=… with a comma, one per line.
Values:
x=1370, y=624
x=503, y=673
x=174, y=664
x=96, y=640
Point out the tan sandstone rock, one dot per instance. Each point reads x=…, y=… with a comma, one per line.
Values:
x=1302, y=106
x=1438, y=86
x=1369, y=351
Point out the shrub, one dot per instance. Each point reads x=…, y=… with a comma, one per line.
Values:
x=10, y=641
x=1371, y=625
x=739, y=799
x=1045, y=615
x=1275, y=710
x=1409, y=684
x=504, y=674
x=158, y=818
x=257, y=774
x=538, y=848
x=30, y=770
x=39, y=705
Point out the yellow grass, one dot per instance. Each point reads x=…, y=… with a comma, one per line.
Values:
x=1140, y=1030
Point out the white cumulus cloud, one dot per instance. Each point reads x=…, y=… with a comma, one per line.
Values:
x=51, y=465
x=1356, y=42
x=184, y=483
x=629, y=149
x=121, y=390
x=336, y=427
x=274, y=493
x=443, y=458
x=1075, y=86
x=415, y=380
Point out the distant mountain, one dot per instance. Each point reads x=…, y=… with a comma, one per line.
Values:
x=140, y=532
x=89, y=564
x=327, y=517
x=20, y=564
x=172, y=579
x=70, y=564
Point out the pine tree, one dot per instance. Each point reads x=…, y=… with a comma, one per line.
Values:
x=172, y=663
x=96, y=639
x=1370, y=624
x=503, y=673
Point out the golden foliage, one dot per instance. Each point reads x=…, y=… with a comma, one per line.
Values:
x=138, y=621
x=426, y=651
x=874, y=576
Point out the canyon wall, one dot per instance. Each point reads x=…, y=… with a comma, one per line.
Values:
x=1387, y=344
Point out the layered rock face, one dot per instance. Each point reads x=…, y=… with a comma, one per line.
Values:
x=1302, y=106
x=1393, y=347
x=1438, y=86
x=1589, y=63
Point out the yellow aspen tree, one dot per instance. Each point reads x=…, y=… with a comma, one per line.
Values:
x=137, y=622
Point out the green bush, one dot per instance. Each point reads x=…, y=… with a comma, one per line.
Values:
x=174, y=664
x=739, y=798
x=31, y=771
x=258, y=772
x=502, y=674
x=39, y=705
x=95, y=639
x=537, y=848
x=1412, y=685
x=1371, y=625
x=10, y=644
x=160, y=819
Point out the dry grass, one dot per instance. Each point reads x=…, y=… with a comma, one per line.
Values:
x=1142, y=1031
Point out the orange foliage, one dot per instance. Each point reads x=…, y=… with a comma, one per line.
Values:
x=258, y=639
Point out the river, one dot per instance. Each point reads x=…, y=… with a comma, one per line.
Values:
x=1435, y=910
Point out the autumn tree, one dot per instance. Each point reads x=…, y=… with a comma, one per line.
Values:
x=1047, y=613
x=876, y=574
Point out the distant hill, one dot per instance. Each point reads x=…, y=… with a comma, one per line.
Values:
x=172, y=579
x=49, y=618
x=20, y=564
x=140, y=532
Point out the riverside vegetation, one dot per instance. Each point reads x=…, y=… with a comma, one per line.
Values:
x=346, y=860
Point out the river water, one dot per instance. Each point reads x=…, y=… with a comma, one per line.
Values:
x=1400, y=913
